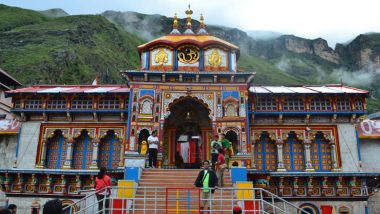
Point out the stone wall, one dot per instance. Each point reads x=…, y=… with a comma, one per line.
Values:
x=348, y=148
x=373, y=203
x=27, y=152
x=370, y=150
x=8, y=144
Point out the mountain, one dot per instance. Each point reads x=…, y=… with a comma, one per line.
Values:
x=57, y=48
x=263, y=35
x=54, y=13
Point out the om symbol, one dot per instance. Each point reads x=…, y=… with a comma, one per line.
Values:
x=188, y=54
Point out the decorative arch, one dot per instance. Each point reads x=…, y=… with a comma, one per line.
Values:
x=143, y=134
x=265, y=153
x=109, y=149
x=170, y=99
x=310, y=208
x=321, y=151
x=230, y=105
x=146, y=105
x=82, y=149
x=55, y=149
x=294, y=159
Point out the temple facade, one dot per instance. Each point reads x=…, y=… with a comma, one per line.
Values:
x=299, y=142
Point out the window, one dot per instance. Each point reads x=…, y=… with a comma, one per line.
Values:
x=343, y=104
x=109, y=103
x=358, y=105
x=146, y=107
x=33, y=103
x=230, y=110
x=320, y=104
x=56, y=103
x=265, y=154
x=81, y=103
x=294, y=104
x=321, y=154
x=293, y=154
x=266, y=104
x=18, y=103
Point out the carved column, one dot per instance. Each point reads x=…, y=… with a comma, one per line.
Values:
x=42, y=163
x=306, y=146
x=253, y=163
x=333, y=155
x=95, y=153
x=121, y=162
x=69, y=153
x=78, y=183
x=280, y=159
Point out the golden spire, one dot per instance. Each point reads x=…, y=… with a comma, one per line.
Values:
x=188, y=19
x=175, y=21
x=202, y=21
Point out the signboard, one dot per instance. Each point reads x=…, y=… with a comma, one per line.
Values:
x=9, y=126
x=369, y=129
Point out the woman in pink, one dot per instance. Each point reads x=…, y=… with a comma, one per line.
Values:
x=103, y=192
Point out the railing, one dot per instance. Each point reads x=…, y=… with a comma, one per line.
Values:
x=149, y=200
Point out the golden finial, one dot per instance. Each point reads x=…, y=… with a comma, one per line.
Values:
x=202, y=21
x=188, y=13
x=175, y=21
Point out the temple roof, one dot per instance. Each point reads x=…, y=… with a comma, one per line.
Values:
x=176, y=40
x=70, y=89
x=322, y=89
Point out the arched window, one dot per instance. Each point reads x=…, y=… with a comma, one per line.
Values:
x=230, y=110
x=146, y=107
x=293, y=154
x=109, y=151
x=56, y=151
x=265, y=153
x=82, y=154
x=321, y=153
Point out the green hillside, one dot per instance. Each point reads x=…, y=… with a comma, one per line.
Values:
x=12, y=17
x=68, y=50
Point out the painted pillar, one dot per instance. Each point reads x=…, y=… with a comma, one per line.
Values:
x=95, y=153
x=253, y=163
x=280, y=158
x=333, y=154
x=43, y=154
x=69, y=153
x=306, y=145
x=121, y=162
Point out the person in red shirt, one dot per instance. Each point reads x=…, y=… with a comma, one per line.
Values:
x=103, y=192
x=220, y=166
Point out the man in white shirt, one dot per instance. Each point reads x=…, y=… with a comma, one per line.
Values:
x=153, y=149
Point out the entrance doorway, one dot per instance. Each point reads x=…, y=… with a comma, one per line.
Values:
x=233, y=138
x=187, y=132
x=143, y=135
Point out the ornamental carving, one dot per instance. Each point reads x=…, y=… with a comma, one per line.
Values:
x=188, y=54
x=215, y=59
x=161, y=57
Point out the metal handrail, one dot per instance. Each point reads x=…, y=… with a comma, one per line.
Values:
x=157, y=200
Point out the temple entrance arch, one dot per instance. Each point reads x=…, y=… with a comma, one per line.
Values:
x=187, y=132
x=143, y=135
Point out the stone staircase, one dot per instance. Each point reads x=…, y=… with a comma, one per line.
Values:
x=177, y=185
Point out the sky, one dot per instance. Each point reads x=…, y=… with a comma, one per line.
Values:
x=337, y=21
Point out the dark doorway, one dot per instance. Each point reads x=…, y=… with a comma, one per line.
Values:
x=143, y=135
x=186, y=121
x=233, y=138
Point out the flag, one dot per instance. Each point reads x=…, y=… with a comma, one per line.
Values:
x=96, y=80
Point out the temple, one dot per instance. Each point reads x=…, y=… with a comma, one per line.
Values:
x=299, y=142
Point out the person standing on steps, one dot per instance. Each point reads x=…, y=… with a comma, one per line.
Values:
x=102, y=181
x=153, y=149
x=215, y=145
x=207, y=180
x=220, y=166
x=226, y=144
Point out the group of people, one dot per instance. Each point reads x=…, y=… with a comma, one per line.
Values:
x=51, y=207
x=211, y=176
